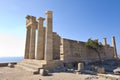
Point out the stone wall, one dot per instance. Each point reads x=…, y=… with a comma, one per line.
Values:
x=76, y=51
x=56, y=46
x=109, y=52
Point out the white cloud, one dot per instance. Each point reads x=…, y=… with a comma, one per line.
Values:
x=11, y=45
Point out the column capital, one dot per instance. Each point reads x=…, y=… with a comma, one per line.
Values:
x=104, y=38
x=27, y=17
x=48, y=12
x=113, y=36
x=104, y=41
x=28, y=27
x=41, y=19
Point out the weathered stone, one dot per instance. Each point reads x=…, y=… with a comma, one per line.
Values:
x=116, y=71
x=10, y=65
x=59, y=68
x=27, y=46
x=114, y=46
x=80, y=66
x=32, y=42
x=49, y=37
x=93, y=68
x=88, y=72
x=41, y=39
x=101, y=70
x=70, y=70
x=69, y=65
x=104, y=41
x=43, y=72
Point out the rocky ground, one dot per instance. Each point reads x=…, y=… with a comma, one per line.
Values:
x=108, y=65
x=7, y=73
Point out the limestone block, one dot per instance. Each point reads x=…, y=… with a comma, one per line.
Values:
x=80, y=66
x=116, y=71
x=43, y=72
x=101, y=70
x=10, y=65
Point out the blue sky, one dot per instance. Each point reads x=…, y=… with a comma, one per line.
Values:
x=73, y=19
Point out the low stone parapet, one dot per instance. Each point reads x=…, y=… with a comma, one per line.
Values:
x=6, y=64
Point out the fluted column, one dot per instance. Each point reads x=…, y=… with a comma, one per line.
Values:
x=41, y=39
x=104, y=41
x=27, y=45
x=49, y=37
x=114, y=46
x=32, y=42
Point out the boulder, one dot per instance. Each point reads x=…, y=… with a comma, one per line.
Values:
x=43, y=72
x=10, y=65
x=116, y=71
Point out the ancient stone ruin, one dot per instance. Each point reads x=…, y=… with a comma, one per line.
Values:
x=45, y=49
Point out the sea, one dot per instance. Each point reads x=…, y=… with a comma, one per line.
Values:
x=10, y=59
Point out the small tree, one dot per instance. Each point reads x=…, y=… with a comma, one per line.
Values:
x=95, y=45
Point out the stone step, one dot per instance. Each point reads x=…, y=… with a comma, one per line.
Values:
x=34, y=62
x=26, y=68
x=30, y=65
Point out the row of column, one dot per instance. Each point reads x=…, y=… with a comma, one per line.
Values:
x=113, y=45
x=44, y=42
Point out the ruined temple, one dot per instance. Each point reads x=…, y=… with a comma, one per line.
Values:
x=46, y=49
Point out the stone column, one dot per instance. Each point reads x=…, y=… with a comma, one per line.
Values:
x=49, y=37
x=104, y=41
x=32, y=42
x=27, y=45
x=114, y=46
x=40, y=43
